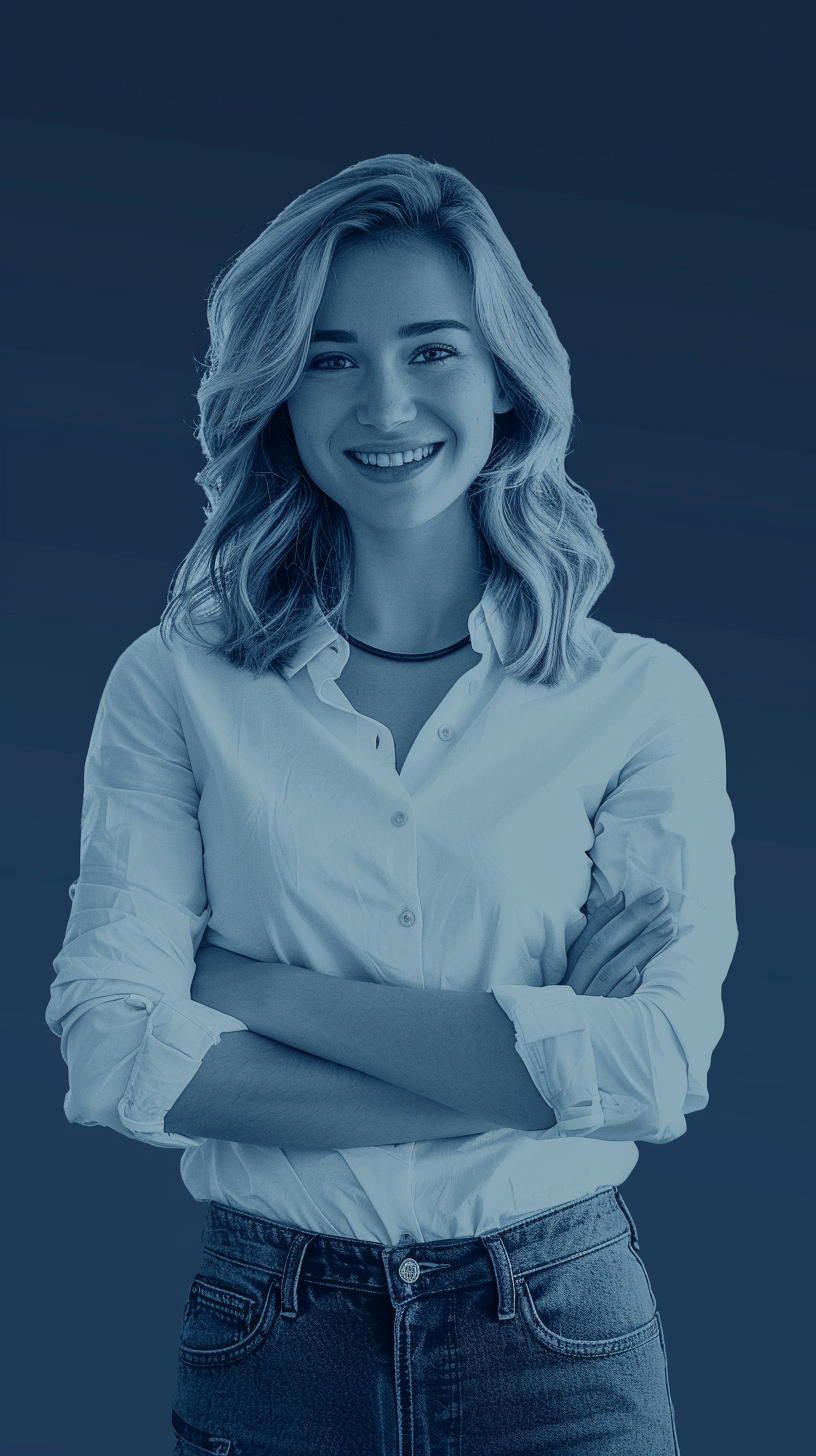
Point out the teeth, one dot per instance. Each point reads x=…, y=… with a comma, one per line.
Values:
x=389, y=461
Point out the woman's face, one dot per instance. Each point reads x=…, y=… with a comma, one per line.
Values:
x=395, y=365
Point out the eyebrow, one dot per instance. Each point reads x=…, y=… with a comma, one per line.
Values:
x=408, y=331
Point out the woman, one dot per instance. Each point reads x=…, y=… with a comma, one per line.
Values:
x=452, y=857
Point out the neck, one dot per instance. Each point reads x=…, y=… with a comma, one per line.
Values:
x=414, y=589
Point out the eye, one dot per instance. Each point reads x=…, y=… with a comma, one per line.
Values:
x=326, y=360
x=333, y=363
x=446, y=350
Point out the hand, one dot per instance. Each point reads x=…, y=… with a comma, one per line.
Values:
x=608, y=957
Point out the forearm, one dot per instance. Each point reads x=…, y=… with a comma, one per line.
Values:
x=454, y=1047
x=250, y=1089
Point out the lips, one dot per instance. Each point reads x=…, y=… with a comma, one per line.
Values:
x=388, y=473
x=389, y=462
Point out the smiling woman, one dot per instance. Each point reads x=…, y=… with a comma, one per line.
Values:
x=400, y=389
x=466, y=322
x=449, y=860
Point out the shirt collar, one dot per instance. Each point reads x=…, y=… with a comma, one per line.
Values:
x=485, y=624
x=495, y=623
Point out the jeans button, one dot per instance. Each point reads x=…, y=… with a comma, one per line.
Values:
x=409, y=1271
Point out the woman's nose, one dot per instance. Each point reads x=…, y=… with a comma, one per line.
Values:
x=385, y=403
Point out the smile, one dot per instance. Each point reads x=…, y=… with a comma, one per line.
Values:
x=391, y=470
x=381, y=461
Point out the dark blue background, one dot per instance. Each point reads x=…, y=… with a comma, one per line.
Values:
x=653, y=166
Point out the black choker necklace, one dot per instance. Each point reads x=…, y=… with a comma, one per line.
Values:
x=408, y=656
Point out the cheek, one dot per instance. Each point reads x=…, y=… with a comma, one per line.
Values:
x=308, y=427
x=480, y=429
x=473, y=406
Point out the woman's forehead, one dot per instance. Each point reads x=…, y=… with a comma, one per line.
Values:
x=372, y=279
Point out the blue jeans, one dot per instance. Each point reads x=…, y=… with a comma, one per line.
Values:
x=541, y=1337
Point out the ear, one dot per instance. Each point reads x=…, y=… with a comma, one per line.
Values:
x=501, y=402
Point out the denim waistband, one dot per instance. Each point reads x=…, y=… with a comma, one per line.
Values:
x=408, y=1271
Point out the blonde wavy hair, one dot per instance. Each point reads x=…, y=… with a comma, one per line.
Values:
x=273, y=542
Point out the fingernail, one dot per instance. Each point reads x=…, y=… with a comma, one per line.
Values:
x=653, y=898
x=616, y=899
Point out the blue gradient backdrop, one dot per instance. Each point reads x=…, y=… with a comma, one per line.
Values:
x=653, y=166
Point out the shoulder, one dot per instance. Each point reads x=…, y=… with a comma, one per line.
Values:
x=171, y=652
x=655, y=689
x=139, y=659
x=138, y=686
x=157, y=664
x=656, y=664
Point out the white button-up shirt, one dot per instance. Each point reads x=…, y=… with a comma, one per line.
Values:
x=267, y=814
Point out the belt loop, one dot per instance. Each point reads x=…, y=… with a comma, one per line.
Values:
x=502, y=1268
x=291, y=1273
x=629, y=1218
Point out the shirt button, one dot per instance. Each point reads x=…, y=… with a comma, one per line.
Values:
x=405, y=1238
x=407, y=917
x=474, y=688
x=445, y=731
x=399, y=818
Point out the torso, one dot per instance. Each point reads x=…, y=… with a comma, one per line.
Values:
x=402, y=695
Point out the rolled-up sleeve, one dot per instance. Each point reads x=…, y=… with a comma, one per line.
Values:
x=130, y=1033
x=631, y=1068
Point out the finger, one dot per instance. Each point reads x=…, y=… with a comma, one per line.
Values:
x=623, y=969
x=626, y=986
x=618, y=931
x=646, y=948
x=616, y=979
x=598, y=955
x=600, y=917
x=606, y=911
x=639, y=952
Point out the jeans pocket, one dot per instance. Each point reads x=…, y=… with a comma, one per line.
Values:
x=599, y=1302
x=231, y=1309
x=192, y=1442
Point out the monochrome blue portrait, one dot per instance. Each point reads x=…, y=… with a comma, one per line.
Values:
x=406, y=888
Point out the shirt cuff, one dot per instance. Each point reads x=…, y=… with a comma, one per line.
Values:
x=173, y=1047
x=553, y=1041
